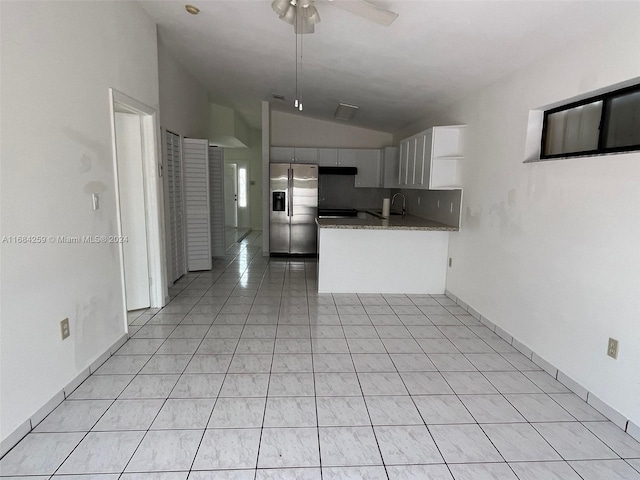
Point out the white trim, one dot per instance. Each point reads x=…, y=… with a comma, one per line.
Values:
x=32, y=422
x=14, y=437
x=605, y=409
x=154, y=195
x=533, y=142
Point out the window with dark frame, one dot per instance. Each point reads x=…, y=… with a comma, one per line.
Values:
x=607, y=123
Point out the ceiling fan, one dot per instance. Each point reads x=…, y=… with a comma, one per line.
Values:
x=303, y=15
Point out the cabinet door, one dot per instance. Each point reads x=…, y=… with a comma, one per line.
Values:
x=327, y=157
x=411, y=163
x=390, y=168
x=428, y=156
x=306, y=155
x=348, y=157
x=368, y=163
x=403, y=164
x=197, y=203
x=282, y=154
x=423, y=159
x=418, y=180
x=447, y=155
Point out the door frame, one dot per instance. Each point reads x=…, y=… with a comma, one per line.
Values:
x=154, y=197
x=233, y=166
x=246, y=214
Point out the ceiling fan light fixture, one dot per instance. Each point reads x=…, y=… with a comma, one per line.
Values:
x=311, y=14
x=305, y=3
x=280, y=6
x=345, y=111
x=290, y=15
x=193, y=10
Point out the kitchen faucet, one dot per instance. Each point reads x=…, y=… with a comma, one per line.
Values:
x=404, y=202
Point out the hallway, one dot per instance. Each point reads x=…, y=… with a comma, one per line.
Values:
x=250, y=374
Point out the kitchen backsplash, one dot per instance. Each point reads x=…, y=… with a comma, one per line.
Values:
x=438, y=205
x=338, y=191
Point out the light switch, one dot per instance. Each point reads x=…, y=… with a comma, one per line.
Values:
x=96, y=201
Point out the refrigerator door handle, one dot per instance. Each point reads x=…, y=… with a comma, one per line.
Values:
x=290, y=189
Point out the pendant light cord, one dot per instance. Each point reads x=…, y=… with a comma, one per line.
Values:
x=301, y=51
x=296, y=37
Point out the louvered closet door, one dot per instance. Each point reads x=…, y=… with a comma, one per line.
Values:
x=176, y=243
x=195, y=157
x=216, y=204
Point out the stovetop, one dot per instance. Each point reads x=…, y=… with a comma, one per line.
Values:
x=337, y=212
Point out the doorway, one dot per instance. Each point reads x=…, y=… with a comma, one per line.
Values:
x=236, y=202
x=231, y=195
x=130, y=181
x=139, y=207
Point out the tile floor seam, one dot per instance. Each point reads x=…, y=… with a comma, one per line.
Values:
x=386, y=471
x=294, y=287
x=266, y=401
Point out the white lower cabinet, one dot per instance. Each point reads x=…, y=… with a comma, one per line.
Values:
x=431, y=159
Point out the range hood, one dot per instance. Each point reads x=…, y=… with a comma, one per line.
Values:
x=337, y=171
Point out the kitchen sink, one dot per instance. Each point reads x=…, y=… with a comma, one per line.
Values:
x=378, y=213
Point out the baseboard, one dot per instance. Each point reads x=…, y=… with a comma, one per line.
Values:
x=609, y=412
x=19, y=433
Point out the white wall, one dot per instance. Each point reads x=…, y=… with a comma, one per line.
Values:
x=253, y=156
x=184, y=110
x=184, y=104
x=550, y=251
x=58, y=61
x=291, y=130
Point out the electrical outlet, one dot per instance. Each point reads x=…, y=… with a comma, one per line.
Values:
x=612, y=349
x=64, y=328
x=450, y=261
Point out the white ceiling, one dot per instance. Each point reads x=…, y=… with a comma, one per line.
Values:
x=434, y=53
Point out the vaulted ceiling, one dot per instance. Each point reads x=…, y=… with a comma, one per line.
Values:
x=434, y=53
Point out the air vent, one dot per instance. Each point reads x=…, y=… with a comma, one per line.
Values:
x=277, y=97
x=345, y=111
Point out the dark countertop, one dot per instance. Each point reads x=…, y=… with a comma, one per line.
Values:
x=371, y=221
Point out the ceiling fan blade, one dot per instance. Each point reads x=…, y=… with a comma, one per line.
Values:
x=367, y=10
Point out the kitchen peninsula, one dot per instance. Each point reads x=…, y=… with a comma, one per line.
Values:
x=370, y=254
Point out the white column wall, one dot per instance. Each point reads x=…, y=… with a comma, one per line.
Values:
x=59, y=60
x=550, y=251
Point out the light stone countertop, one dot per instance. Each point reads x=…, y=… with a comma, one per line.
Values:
x=369, y=221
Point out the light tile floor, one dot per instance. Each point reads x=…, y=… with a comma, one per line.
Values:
x=250, y=374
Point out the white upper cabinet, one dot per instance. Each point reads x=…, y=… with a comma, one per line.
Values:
x=368, y=162
x=306, y=155
x=390, y=165
x=282, y=154
x=328, y=157
x=431, y=159
x=447, y=155
x=293, y=155
x=348, y=157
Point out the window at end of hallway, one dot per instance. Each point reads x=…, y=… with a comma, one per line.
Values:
x=242, y=187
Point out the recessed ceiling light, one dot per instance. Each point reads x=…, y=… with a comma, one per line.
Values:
x=192, y=10
x=345, y=111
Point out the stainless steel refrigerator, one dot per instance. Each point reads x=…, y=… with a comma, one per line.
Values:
x=293, y=206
